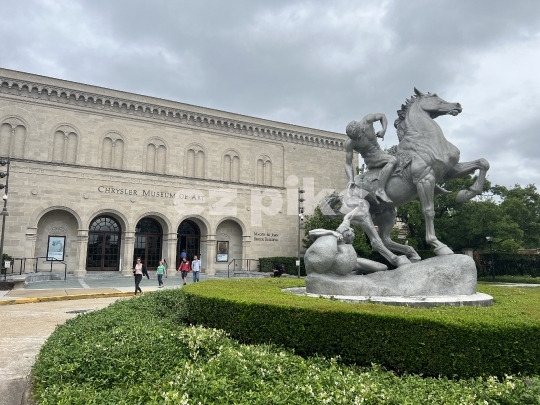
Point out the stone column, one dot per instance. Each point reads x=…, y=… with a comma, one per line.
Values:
x=246, y=241
x=127, y=260
x=82, y=250
x=210, y=254
x=171, y=239
x=30, y=249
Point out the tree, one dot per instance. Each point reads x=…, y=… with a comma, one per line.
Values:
x=522, y=205
x=511, y=215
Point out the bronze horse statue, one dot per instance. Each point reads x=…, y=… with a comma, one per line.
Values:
x=425, y=157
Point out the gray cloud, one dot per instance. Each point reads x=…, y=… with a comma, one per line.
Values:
x=311, y=63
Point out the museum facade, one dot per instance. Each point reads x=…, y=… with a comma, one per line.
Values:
x=99, y=177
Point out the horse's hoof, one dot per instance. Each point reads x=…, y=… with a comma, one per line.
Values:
x=415, y=258
x=401, y=261
x=443, y=250
x=465, y=195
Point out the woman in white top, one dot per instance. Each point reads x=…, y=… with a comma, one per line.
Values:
x=138, y=271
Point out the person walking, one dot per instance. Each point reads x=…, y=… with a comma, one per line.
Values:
x=195, y=268
x=184, y=268
x=159, y=272
x=138, y=270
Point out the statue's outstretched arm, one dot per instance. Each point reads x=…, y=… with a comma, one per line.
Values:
x=384, y=122
x=316, y=233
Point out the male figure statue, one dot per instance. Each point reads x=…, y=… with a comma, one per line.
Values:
x=363, y=139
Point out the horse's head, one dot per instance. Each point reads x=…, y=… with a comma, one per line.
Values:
x=436, y=106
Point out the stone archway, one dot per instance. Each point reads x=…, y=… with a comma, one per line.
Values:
x=104, y=242
x=229, y=235
x=59, y=224
x=148, y=242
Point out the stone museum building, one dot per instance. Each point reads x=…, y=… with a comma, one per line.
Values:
x=100, y=176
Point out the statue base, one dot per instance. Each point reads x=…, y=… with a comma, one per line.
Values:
x=475, y=300
x=449, y=275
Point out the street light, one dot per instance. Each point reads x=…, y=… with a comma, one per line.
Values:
x=4, y=212
x=489, y=238
x=300, y=221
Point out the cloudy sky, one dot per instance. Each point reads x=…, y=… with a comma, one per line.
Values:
x=318, y=64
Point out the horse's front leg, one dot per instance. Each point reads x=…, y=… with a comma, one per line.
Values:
x=426, y=188
x=462, y=169
x=386, y=220
x=364, y=221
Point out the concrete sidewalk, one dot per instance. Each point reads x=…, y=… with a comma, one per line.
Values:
x=73, y=289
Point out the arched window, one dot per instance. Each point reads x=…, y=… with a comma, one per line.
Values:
x=103, y=244
x=156, y=156
x=264, y=171
x=231, y=166
x=195, y=162
x=112, y=151
x=12, y=138
x=148, y=242
x=65, y=143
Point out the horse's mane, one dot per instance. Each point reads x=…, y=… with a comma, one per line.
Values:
x=399, y=123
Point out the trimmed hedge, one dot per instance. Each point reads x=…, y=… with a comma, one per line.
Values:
x=508, y=264
x=136, y=351
x=268, y=264
x=449, y=341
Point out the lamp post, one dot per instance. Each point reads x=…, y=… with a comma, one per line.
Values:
x=489, y=238
x=300, y=221
x=4, y=212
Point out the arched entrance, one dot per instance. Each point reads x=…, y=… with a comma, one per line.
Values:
x=189, y=238
x=103, y=244
x=148, y=242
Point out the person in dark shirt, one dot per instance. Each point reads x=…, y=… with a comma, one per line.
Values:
x=279, y=270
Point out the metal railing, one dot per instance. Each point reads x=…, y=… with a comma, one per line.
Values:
x=250, y=265
x=23, y=268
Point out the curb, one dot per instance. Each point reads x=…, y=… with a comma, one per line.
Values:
x=63, y=298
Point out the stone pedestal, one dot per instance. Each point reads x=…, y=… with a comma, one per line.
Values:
x=438, y=276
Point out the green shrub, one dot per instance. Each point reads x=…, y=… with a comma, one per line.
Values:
x=135, y=352
x=449, y=341
x=268, y=264
x=507, y=264
x=510, y=279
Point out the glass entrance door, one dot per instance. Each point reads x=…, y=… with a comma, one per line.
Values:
x=103, y=245
x=148, y=242
x=189, y=239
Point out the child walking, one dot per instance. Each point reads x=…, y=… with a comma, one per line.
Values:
x=195, y=268
x=159, y=272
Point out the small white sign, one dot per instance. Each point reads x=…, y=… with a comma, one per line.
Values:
x=297, y=263
x=7, y=264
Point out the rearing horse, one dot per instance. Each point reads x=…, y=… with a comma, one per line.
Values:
x=425, y=157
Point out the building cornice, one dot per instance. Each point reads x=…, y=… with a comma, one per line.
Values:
x=183, y=115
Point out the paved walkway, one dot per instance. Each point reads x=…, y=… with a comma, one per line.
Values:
x=90, y=287
x=24, y=329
